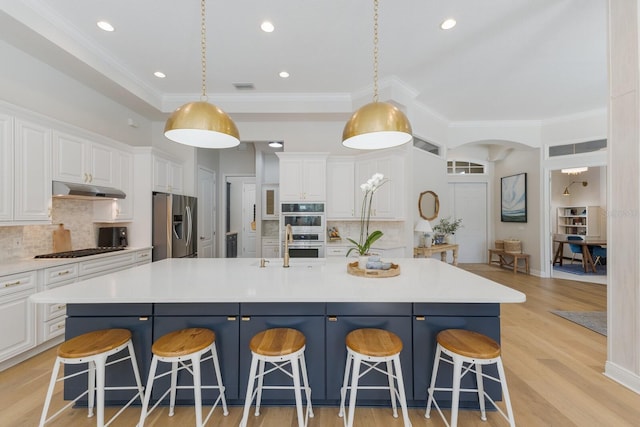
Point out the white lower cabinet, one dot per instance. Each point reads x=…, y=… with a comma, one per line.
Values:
x=17, y=336
x=270, y=248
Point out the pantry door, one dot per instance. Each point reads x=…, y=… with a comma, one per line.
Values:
x=470, y=204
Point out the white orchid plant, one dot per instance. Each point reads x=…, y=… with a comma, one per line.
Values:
x=366, y=240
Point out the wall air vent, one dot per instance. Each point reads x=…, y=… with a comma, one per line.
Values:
x=426, y=146
x=578, y=148
x=244, y=86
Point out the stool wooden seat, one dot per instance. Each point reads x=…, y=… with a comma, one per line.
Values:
x=279, y=347
x=178, y=347
x=93, y=348
x=370, y=347
x=459, y=347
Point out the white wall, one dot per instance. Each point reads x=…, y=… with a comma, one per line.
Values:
x=429, y=173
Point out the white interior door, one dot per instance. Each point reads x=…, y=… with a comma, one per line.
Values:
x=470, y=204
x=206, y=213
x=248, y=221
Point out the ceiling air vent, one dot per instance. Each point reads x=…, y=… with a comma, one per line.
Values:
x=244, y=86
x=426, y=146
x=578, y=148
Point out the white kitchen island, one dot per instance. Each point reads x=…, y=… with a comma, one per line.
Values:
x=236, y=299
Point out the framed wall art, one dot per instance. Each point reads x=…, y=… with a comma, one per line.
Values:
x=513, y=198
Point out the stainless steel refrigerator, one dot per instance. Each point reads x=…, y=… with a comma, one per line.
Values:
x=174, y=226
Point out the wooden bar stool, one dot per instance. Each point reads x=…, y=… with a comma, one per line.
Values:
x=177, y=347
x=474, y=350
x=94, y=348
x=279, y=347
x=372, y=347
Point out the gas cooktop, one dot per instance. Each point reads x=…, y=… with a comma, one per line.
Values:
x=79, y=253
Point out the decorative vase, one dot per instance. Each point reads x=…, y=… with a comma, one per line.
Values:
x=362, y=262
x=448, y=239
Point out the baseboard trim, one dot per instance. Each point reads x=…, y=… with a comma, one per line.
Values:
x=622, y=376
x=6, y=364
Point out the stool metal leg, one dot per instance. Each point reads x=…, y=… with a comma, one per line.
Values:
x=250, y=385
x=260, y=385
x=432, y=386
x=403, y=398
x=197, y=388
x=505, y=392
x=216, y=367
x=52, y=384
x=295, y=370
x=345, y=383
x=147, y=394
x=455, y=396
x=100, y=368
x=305, y=381
x=91, y=387
x=480, y=387
x=391, y=389
x=355, y=375
x=173, y=388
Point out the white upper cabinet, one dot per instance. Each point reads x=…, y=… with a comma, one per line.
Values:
x=341, y=189
x=388, y=200
x=167, y=175
x=83, y=162
x=32, y=172
x=302, y=177
x=6, y=163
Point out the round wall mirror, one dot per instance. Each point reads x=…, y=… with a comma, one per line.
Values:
x=428, y=205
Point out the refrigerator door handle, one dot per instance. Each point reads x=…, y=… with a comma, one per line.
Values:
x=189, y=225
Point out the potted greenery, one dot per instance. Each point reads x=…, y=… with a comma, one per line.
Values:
x=446, y=228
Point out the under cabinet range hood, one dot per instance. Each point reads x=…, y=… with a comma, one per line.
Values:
x=72, y=190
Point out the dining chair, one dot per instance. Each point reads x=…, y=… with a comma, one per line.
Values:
x=575, y=249
x=599, y=253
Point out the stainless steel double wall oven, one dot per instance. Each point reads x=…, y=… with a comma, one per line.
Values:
x=307, y=221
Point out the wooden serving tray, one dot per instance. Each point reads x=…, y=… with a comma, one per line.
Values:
x=352, y=268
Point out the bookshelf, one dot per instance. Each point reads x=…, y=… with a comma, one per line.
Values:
x=579, y=220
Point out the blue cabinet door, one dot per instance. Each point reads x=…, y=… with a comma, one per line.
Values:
x=227, y=332
x=119, y=374
x=313, y=329
x=425, y=330
x=337, y=329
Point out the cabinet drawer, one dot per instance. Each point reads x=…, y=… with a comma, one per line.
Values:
x=107, y=264
x=60, y=273
x=53, y=328
x=143, y=256
x=337, y=251
x=54, y=310
x=17, y=282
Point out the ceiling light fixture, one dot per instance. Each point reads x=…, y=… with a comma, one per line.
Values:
x=566, y=189
x=284, y=74
x=275, y=144
x=378, y=124
x=201, y=124
x=575, y=171
x=105, y=26
x=267, y=27
x=448, y=24
x=160, y=74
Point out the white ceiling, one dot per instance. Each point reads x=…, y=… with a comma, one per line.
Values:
x=505, y=60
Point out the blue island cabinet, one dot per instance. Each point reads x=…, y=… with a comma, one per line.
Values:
x=343, y=318
x=307, y=318
x=223, y=320
x=83, y=318
x=429, y=320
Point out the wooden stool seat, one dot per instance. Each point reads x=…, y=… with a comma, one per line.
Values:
x=93, y=343
x=183, y=342
x=374, y=342
x=469, y=344
x=277, y=342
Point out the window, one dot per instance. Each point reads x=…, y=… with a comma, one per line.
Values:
x=460, y=167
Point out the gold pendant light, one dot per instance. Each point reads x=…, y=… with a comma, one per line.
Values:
x=378, y=124
x=201, y=124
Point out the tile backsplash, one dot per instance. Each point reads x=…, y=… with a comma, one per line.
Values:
x=76, y=215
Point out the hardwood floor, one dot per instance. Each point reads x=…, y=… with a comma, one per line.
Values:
x=554, y=371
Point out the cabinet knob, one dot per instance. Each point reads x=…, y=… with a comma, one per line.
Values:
x=421, y=318
x=332, y=318
x=246, y=318
x=143, y=318
x=231, y=318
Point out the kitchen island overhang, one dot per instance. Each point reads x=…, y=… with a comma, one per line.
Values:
x=236, y=298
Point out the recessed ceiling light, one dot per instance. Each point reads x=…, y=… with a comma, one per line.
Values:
x=275, y=144
x=160, y=74
x=284, y=74
x=448, y=24
x=105, y=26
x=267, y=27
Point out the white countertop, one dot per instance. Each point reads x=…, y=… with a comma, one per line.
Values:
x=30, y=264
x=241, y=280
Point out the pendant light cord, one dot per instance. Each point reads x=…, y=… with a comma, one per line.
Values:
x=203, y=48
x=375, y=50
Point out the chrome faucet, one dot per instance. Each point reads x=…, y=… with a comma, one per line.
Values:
x=288, y=237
